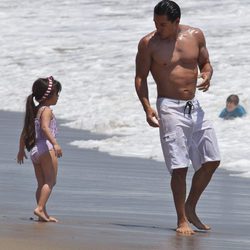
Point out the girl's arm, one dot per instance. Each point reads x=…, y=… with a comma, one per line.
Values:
x=21, y=153
x=45, y=119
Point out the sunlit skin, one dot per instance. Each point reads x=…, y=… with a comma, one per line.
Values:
x=174, y=54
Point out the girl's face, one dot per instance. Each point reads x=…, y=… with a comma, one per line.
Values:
x=53, y=99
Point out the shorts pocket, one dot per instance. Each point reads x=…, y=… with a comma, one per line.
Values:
x=169, y=137
x=170, y=149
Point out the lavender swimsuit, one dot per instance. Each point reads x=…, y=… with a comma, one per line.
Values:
x=42, y=144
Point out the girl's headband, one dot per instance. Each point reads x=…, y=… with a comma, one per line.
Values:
x=48, y=91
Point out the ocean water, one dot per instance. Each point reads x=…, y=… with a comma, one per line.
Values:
x=90, y=47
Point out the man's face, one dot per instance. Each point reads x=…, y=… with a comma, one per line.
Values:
x=165, y=28
x=230, y=106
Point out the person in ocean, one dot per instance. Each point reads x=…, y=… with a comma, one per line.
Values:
x=38, y=136
x=233, y=109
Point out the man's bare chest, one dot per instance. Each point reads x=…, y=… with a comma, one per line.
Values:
x=181, y=52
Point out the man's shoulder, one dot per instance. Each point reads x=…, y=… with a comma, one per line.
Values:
x=148, y=37
x=147, y=40
x=192, y=33
x=190, y=30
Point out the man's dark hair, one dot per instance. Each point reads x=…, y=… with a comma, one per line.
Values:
x=168, y=8
x=233, y=99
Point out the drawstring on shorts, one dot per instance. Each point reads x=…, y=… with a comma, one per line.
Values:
x=190, y=106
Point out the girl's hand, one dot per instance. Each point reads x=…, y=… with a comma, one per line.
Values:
x=20, y=156
x=58, y=150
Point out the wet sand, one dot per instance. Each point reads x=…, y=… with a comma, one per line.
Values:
x=105, y=202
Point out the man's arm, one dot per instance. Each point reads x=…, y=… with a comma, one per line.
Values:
x=143, y=64
x=204, y=62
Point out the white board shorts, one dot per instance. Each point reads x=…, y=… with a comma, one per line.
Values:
x=186, y=137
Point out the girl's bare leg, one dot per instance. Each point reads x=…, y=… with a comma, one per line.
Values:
x=55, y=169
x=48, y=167
x=40, y=182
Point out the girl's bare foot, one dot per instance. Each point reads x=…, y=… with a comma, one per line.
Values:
x=41, y=215
x=193, y=218
x=184, y=228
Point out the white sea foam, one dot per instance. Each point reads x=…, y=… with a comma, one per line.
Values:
x=90, y=47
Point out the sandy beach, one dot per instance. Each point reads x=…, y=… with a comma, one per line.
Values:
x=111, y=203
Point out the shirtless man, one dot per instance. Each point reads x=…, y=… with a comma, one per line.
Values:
x=174, y=54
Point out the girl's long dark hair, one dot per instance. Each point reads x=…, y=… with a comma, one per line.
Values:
x=39, y=87
x=29, y=124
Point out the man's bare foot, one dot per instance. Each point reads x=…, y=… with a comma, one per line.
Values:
x=184, y=228
x=41, y=215
x=193, y=218
x=52, y=219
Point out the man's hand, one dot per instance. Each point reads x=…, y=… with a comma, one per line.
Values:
x=152, y=118
x=205, y=84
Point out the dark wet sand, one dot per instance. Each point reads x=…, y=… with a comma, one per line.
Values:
x=105, y=202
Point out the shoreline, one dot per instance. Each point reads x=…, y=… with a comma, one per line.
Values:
x=110, y=202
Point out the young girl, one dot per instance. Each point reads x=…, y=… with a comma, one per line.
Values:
x=39, y=138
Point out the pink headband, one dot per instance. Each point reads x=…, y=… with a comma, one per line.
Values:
x=46, y=94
